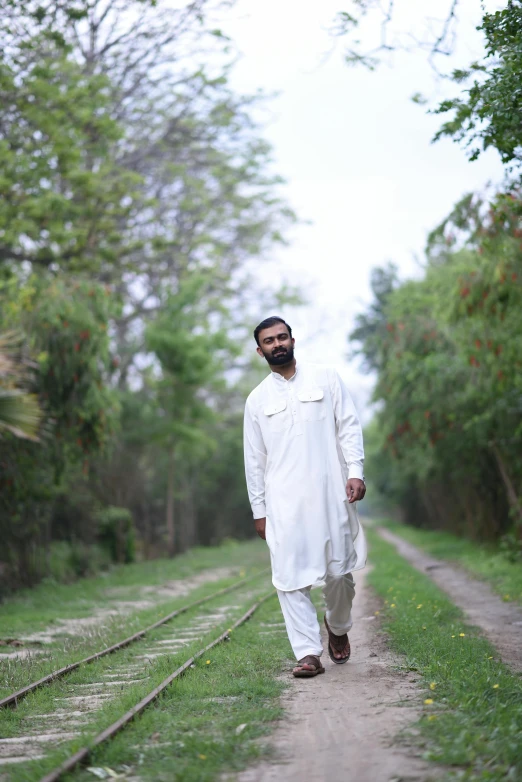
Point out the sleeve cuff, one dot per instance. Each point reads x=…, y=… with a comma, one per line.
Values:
x=259, y=510
x=355, y=471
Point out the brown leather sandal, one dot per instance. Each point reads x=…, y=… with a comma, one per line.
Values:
x=308, y=666
x=339, y=643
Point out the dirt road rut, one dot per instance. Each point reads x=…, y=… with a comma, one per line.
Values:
x=500, y=621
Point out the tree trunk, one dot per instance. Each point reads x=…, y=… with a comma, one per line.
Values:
x=189, y=514
x=513, y=499
x=170, y=504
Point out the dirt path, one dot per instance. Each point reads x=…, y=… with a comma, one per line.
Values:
x=344, y=724
x=501, y=622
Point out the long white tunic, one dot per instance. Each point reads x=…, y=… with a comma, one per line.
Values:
x=302, y=441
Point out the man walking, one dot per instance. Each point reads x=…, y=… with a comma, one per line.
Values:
x=304, y=470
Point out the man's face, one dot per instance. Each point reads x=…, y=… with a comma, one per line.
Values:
x=276, y=345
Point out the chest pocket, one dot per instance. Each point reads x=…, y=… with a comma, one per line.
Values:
x=312, y=405
x=277, y=416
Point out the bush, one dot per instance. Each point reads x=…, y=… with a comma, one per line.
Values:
x=69, y=561
x=116, y=533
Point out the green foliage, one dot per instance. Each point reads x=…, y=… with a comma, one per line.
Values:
x=116, y=532
x=19, y=411
x=64, y=327
x=134, y=189
x=489, y=112
x=62, y=195
x=446, y=444
x=70, y=561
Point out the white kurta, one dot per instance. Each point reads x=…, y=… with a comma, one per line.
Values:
x=302, y=442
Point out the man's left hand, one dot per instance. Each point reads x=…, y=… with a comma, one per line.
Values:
x=355, y=489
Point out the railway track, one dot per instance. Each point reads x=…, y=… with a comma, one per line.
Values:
x=75, y=705
x=14, y=698
x=82, y=755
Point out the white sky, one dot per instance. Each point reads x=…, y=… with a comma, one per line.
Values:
x=357, y=157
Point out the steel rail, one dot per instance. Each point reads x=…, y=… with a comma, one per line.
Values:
x=82, y=754
x=13, y=699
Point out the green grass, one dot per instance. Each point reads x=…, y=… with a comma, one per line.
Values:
x=36, y=608
x=474, y=722
x=32, y=612
x=193, y=731
x=480, y=560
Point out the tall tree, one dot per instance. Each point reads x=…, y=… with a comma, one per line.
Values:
x=191, y=357
x=64, y=327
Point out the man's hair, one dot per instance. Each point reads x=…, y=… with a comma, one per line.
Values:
x=266, y=323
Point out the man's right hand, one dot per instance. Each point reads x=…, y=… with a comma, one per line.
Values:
x=261, y=527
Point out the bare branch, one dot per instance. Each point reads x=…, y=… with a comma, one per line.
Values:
x=440, y=41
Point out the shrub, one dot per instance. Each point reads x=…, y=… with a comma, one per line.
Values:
x=116, y=533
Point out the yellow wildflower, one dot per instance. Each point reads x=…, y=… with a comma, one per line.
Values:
x=453, y=636
x=392, y=605
x=496, y=686
x=433, y=685
x=462, y=635
x=419, y=606
x=428, y=701
x=208, y=662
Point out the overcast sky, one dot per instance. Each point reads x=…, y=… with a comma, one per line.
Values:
x=357, y=155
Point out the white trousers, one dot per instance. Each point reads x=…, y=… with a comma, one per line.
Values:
x=301, y=617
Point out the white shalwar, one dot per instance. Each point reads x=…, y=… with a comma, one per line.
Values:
x=302, y=442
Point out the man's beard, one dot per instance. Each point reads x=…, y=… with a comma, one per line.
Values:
x=282, y=358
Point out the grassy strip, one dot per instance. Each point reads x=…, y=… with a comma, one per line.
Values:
x=15, y=673
x=43, y=702
x=208, y=721
x=485, y=562
x=472, y=716
x=34, y=609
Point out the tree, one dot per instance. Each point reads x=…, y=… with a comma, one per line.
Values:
x=64, y=328
x=191, y=353
x=488, y=114
x=63, y=196
x=138, y=189
x=437, y=39
x=449, y=376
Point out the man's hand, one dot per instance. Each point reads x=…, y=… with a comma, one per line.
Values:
x=355, y=489
x=260, y=527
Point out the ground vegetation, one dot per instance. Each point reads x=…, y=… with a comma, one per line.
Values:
x=471, y=706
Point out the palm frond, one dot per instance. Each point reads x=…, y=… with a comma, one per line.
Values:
x=20, y=414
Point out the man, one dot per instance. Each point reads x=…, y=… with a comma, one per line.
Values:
x=304, y=470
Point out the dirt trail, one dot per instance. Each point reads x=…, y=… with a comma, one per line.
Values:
x=344, y=723
x=501, y=622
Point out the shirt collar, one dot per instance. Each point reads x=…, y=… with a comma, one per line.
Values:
x=280, y=379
